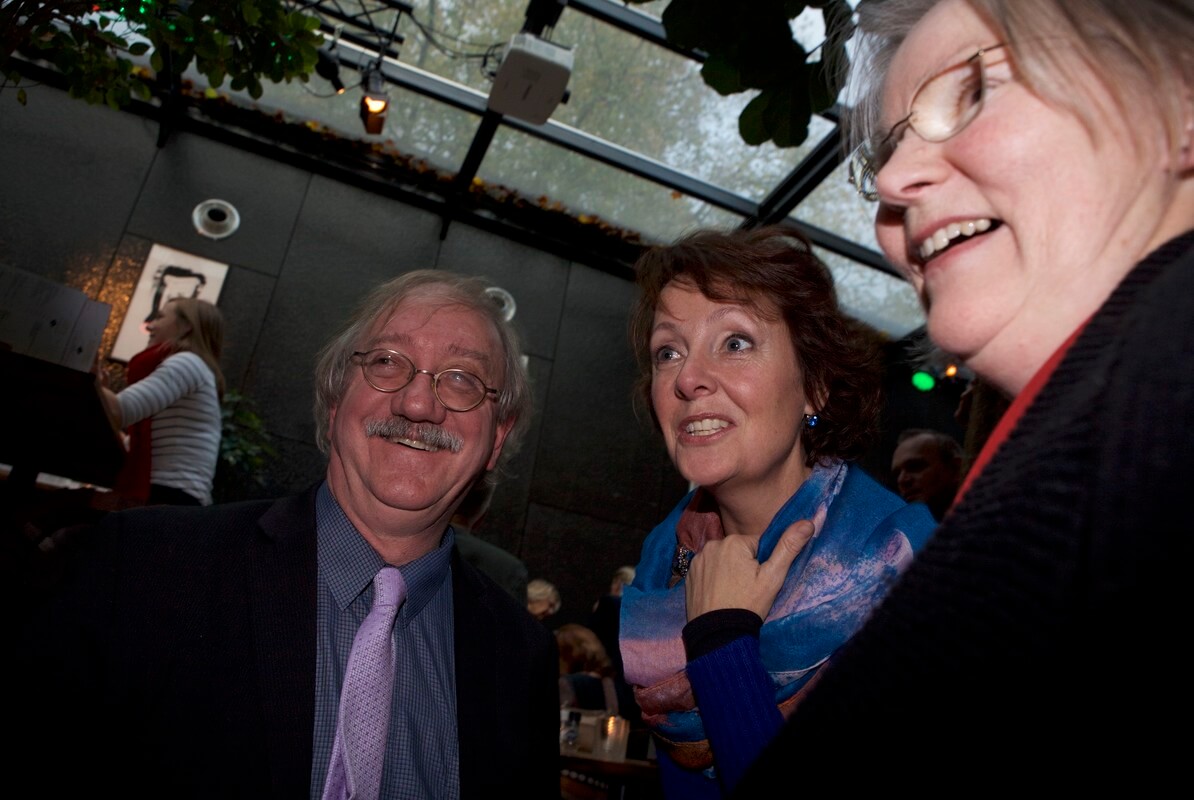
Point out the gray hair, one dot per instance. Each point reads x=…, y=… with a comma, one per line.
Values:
x=1139, y=51
x=541, y=589
x=333, y=362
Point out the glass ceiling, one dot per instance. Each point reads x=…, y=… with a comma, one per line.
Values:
x=639, y=142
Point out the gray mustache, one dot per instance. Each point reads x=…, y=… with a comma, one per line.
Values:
x=403, y=428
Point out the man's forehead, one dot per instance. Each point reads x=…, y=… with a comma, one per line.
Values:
x=469, y=332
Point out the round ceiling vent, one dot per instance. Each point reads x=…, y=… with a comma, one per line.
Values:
x=504, y=301
x=215, y=219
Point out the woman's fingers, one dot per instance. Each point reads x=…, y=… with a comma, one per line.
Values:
x=727, y=573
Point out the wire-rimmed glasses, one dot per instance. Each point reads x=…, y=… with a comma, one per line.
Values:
x=941, y=108
x=389, y=371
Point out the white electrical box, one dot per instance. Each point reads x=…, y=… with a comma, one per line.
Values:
x=531, y=80
x=50, y=321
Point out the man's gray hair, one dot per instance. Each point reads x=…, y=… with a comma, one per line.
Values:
x=334, y=360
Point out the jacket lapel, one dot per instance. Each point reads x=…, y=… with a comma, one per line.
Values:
x=477, y=697
x=282, y=599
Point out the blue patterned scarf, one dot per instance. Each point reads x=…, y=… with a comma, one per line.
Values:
x=865, y=535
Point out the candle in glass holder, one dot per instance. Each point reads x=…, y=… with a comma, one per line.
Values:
x=615, y=732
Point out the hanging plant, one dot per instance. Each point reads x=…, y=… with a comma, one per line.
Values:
x=93, y=43
x=246, y=449
x=750, y=46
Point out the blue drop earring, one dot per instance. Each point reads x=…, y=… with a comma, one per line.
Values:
x=811, y=420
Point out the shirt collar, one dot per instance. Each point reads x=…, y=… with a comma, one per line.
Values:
x=347, y=563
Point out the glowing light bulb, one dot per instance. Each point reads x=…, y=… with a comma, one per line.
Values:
x=923, y=381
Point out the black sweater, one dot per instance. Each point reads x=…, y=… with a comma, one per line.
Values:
x=1040, y=635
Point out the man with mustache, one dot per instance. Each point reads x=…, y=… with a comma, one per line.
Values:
x=202, y=652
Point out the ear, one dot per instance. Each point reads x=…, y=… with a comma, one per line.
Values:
x=331, y=422
x=499, y=439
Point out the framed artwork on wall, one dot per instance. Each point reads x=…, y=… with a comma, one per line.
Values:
x=168, y=273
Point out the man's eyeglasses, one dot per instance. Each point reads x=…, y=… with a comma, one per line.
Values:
x=942, y=106
x=389, y=371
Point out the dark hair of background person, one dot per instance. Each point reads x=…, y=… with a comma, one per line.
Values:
x=940, y=437
x=979, y=410
x=773, y=271
x=581, y=650
x=948, y=447
x=586, y=672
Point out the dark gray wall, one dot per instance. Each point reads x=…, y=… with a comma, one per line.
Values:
x=85, y=192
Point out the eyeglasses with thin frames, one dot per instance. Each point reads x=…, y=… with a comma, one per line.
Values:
x=456, y=389
x=941, y=108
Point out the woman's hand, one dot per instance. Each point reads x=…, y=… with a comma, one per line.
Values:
x=111, y=406
x=727, y=574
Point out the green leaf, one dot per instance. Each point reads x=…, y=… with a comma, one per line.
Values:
x=794, y=8
x=775, y=115
x=722, y=76
x=688, y=22
x=751, y=126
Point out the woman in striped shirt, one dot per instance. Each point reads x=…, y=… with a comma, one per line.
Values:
x=171, y=407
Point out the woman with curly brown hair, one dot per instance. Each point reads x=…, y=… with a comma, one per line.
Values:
x=586, y=671
x=765, y=392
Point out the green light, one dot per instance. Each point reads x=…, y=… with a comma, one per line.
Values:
x=923, y=381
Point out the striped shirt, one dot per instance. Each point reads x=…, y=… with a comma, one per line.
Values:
x=180, y=396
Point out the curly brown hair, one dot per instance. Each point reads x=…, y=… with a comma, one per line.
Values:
x=773, y=271
x=581, y=650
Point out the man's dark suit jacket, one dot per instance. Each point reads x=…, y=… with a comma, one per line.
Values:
x=177, y=660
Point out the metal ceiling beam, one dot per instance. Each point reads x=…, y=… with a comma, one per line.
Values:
x=577, y=141
x=847, y=248
x=810, y=173
x=800, y=183
x=356, y=50
x=634, y=22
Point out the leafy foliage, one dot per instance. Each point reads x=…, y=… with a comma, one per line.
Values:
x=750, y=46
x=92, y=44
x=246, y=447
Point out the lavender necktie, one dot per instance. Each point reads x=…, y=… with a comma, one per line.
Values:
x=364, y=719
